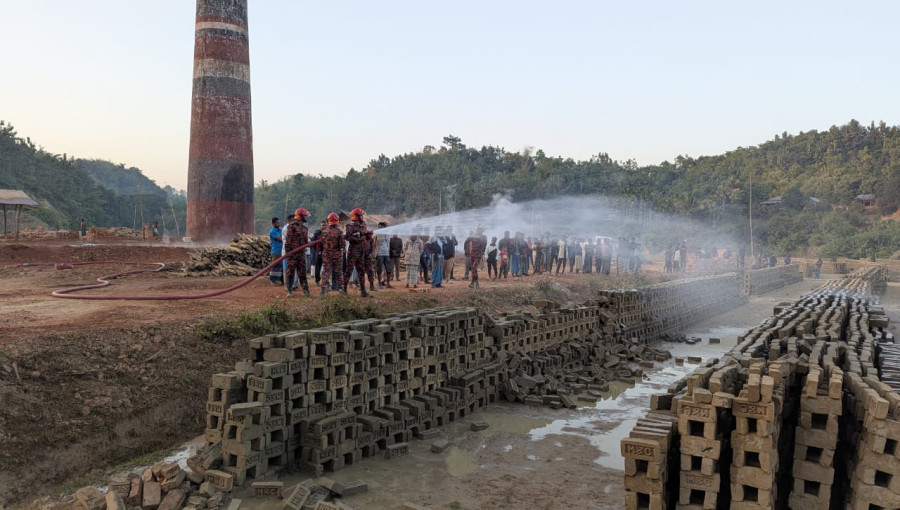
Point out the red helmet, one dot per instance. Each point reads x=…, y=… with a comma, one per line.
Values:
x=301, y=214
x=357, y=214
x=333, y=219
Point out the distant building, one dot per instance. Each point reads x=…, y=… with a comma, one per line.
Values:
x=867, y=199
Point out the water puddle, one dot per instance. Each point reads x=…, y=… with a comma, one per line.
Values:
x=607, y=422
x=460, y=463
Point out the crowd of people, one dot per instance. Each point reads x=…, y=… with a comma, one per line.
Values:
x=355, y=255
x=339, y=256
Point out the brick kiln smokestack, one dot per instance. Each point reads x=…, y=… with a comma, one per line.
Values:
x=220, y=166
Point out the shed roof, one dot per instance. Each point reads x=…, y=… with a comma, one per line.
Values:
x=17, y=197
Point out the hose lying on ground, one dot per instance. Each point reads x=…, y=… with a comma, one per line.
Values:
x=104, y=280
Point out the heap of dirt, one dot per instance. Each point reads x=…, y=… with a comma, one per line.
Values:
x=244, y=256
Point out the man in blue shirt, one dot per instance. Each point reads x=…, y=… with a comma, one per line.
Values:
x=275, y=274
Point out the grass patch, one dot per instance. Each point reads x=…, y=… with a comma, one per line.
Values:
x=268, y=319
x=341, y=307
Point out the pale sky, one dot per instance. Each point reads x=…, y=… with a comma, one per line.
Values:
x=337, y=83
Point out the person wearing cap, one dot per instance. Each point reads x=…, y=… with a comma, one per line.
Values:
x=297, y=236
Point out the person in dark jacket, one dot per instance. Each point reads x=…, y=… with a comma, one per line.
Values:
x=396, y=251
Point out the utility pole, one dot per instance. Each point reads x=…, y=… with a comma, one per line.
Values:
x=751, y=217
x=141, y=202
x=174, y=218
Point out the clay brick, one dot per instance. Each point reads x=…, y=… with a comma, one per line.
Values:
x=173, y=500
x=267, y=489
x=152, y=496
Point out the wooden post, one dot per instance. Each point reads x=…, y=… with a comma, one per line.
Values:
x=18, y=214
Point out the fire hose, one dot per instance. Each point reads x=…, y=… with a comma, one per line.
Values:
x=104, y=280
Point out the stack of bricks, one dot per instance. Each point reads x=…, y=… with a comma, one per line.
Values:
x=755, y=441
x=704, y=420
x=327, y=397
x=816, y=436
x=814, y=424
x=648, y=461
x=653, y=311
x=760, y=281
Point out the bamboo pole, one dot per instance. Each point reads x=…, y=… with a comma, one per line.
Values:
x=174, y=218
x=141, y=201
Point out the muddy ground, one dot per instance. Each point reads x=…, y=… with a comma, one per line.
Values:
x=87, y=386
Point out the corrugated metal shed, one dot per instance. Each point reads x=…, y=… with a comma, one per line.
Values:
x=17, y=197
x=17, y=200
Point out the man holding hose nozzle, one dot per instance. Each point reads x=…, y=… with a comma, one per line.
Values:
x=297, y=235
x=358, y=237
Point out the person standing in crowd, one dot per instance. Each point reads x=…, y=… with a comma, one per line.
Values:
x=414, y=249
x=504, y=263
x=628, y=254
x=787, y=259
x=369, y=260
x=514, y=259
x=637, y=259
x=524, y=251
x=682, y=256
x=383, y=258
x=284, y=262
x=547, y=247
x=395, y=246
x=332, y=247
x=588, y=250
x=476, y=252
x=358, y=237
x=317, y=251
x=606, y=254
x=450, y=244
x=538, y=255
x=466, y=252
x=561, y=255
x=818, y=271
x=570, y=251
x=437, y=258
x=669, y=255
x=425, y=259
x=297, y=236
x=276, y=273
x=529, y=257
x=554, y=254
x=82, y=230
x=492, y=253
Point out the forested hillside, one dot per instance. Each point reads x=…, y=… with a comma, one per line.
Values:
x=69, y=189
x=833, y=167
x=816, y=175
